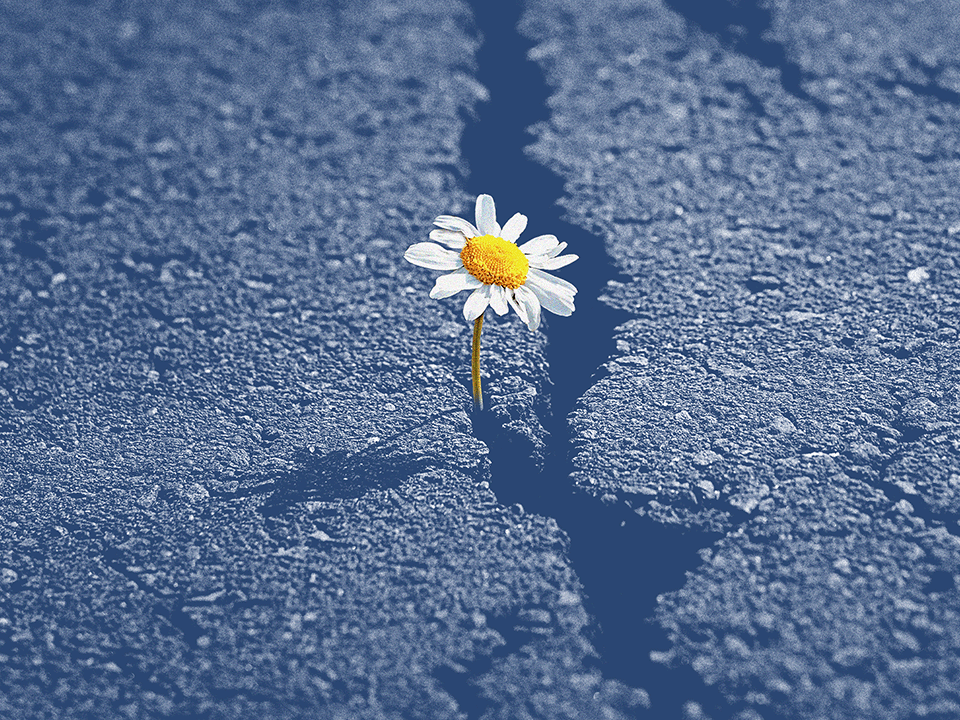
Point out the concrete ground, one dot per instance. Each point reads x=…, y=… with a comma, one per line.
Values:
x=240, y=475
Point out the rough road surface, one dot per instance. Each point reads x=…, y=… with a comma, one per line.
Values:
x=782, y=189
x=238, y=471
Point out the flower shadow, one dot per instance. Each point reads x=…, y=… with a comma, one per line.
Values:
x=342, y=474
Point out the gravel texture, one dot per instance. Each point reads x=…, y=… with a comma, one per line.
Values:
x=788, y=376
x=238, y=474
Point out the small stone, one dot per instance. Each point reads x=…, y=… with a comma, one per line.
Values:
x=693, y=711
x=759, y=283
x=196, y=493
x=149, y=497
x=904, y=507
x=8, y=576
x=800, y=316
x=662, y=657
x=918, y=275
x=736, y=646
x=782, y=425
x=864, y=453
x=918, y=412
x=706, y=457
x=907, y=641
x=842, y=566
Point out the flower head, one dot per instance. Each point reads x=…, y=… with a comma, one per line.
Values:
x=487, y=260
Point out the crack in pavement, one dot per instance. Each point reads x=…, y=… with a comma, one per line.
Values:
x=829, y=521
x=609, y=543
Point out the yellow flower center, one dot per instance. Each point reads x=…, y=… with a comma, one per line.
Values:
x=494, y=261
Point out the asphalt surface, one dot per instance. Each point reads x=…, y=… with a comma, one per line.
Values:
x=239, y=472
x=782, y=195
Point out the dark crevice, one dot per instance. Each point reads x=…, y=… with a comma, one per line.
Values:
x=623, y=560
x=741, y=27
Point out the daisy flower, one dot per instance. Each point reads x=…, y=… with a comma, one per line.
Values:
x=487, y=260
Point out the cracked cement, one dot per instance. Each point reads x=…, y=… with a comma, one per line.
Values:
x=793, y=293
x=238, y=473
x=212, y=358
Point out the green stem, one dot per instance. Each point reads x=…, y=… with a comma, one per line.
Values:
x=477, y=393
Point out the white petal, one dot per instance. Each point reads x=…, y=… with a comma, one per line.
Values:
x=511, y=298
x=539, y=245
x=430, y=255
x=550, y=280
x=487, y=216
x=542, y=262
x=556, y=301
x=556, y=251
x=453, y=283
x=498, y=299
x=451, y=238
x=451, y=222
x=477, y=303
x=515, y=225
x=528, y=302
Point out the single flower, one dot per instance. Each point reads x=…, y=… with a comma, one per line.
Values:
x=487, y=260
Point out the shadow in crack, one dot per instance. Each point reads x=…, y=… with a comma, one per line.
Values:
x=623, y=561
x=494, y=147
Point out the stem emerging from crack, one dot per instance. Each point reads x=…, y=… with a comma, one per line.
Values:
x=475, y=365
